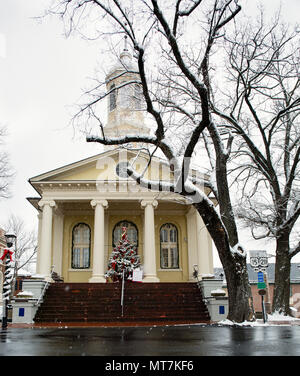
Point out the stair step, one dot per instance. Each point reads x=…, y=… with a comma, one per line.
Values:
x=85, y=302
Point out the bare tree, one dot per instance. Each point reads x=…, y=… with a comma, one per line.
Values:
x=6, y=173
x=262, y=112
x=172, y=63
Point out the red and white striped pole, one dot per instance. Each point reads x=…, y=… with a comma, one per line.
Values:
x=7, y=258
x=6, y=289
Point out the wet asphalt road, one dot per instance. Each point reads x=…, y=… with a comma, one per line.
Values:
x=189, y=340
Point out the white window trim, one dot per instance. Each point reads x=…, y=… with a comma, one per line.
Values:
x=80, y=270
x=169, y=270
x=168, y=245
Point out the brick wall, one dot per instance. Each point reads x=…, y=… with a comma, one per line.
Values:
x=294, y=299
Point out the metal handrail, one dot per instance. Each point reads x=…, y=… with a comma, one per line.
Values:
x=45, y=288
x=42, y=293
x=122, y=294
x=196, y=276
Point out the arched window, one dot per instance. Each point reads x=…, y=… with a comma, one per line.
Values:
x=112, y=98
x=169, y=253
x=81, y=246
x=138, y=92
x=132, y=232
x=124, y=93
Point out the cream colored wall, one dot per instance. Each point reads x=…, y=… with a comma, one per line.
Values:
x=80, y=173
x=105, y=169
x=199, y=245
x=83, y=275
x=205, y=256
x=179, y=221
x=57, y=242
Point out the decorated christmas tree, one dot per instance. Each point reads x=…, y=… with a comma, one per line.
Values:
x=123, y=258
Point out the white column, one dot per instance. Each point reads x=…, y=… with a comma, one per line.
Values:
x=149, y=241
x=99, y=244
x=192, y=241
x=58, y=232
x=204, y=246
x=46, y=239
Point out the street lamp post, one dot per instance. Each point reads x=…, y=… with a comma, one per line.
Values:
x=7, y=258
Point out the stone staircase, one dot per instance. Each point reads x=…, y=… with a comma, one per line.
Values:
x=143, y=302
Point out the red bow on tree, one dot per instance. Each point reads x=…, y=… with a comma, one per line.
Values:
x=5, y=252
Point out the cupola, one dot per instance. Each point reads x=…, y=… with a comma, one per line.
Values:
x=125, y=98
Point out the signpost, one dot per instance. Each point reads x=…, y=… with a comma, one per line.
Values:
x=262, y=293
x=261, y=284
x=259, y=262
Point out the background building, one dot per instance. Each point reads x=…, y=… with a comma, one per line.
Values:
x=270, y=279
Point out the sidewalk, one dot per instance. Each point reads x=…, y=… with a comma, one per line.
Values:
x=259, y=322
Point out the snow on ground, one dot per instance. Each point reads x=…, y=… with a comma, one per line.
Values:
x=273, y=319
x=24, y=293
x=280, y=317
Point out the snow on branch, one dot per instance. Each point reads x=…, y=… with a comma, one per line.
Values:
x=122, y=140
x=294, y=250
x=239, y=249
x=186, y=188
x=156, y=185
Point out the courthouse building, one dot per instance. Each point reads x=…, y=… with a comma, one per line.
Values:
x=83, y=206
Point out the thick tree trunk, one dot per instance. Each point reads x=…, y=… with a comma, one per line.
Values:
x=235, y=269
x=281, y=297
x=239, y=291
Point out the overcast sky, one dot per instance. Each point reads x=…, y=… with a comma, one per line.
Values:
x=41, y=76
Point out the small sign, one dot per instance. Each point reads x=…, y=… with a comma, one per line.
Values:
x=260, y=277
x=261, y=285
x=21, y=312
x=137, y=275
x=258, y=260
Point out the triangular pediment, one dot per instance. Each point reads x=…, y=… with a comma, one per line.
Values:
x=103, y=167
